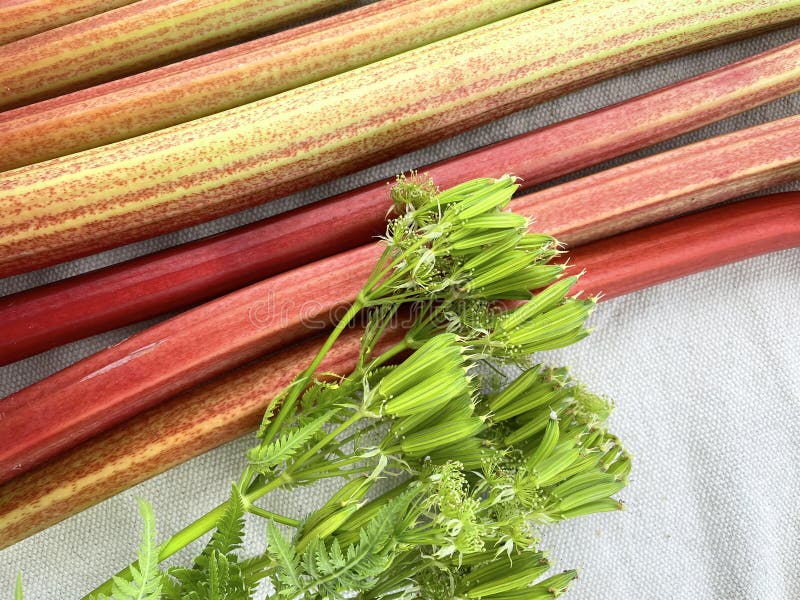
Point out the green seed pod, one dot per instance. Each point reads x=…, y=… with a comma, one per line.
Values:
x=557, y=342
x=457, y=193
x=502, y=566
x=586, y=462
x=471, y=453
x=433, y=393
x=350, y=493
x=592, y=439
x=534, y=422
x=559, y=320
x=475, y=240
x=439, y=351
x=541, y=395
x=527, y=593
x=475, y=559
x=557, y=584
x=527, y=379
x=492, y=197
x=531, y=278
x=549, y=298
x=460, y=407
x=580, y=482
x=502, y=575
x=498, y=220
x=326, y=526
x=547, y=445
x=609, y=457
x=549, y=470
x=491, y=253
x=533, y=242
x=589, y=495
x=442, y=434
x=604, y=505
x=512, y=263
x=620, y=468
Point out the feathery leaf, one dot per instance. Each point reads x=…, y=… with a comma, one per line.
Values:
x=145, y=583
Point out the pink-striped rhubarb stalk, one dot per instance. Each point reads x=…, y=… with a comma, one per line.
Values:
x=147, y=368
x=670, y=183
x=23, y=18
x=168, y=179
x=45, y=317
x=227, y=78
x=135, y=37
x=232, y=405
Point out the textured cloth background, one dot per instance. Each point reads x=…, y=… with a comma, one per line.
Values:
x=705, y=373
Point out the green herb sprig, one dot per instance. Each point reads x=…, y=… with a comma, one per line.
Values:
x=473, y=468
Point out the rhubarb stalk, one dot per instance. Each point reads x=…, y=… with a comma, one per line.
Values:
x=24, y=18
x=141, y=371
x=232, y=405
x=48, y=316
x=132, y=38
x=670, y=183
x=99, y=198
x=220, y=80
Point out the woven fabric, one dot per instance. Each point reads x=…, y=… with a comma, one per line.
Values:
x=705, y=373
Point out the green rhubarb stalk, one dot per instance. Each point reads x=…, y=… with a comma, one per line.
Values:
x=151, y=184
x=24, y=18
x=233, y=76
x=132, y=38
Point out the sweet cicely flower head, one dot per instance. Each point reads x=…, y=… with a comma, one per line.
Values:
x=462, y=244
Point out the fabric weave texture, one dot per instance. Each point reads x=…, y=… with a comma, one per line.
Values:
x=705, y=373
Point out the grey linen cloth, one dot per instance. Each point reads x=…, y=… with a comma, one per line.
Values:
x=705, y=373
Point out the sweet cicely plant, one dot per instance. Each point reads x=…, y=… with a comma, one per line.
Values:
x=446, y=473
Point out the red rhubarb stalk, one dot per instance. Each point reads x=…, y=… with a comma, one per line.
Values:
x=645, y=257
x=232, y=405
x=141, y=371
x=670, y=183
x=48, y=316
x=129, y=377
x=132, y=38
x=220, y=80
x=192, y=172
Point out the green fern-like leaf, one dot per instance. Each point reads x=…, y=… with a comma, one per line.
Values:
x=267, y=418
x=333, y=572
x=265, y=457
x=230, y=529
x=287, y=579
x=216, y=573
x=145, y=583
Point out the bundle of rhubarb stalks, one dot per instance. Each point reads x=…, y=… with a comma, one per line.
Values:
x=203, y=234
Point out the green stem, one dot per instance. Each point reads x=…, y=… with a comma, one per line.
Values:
x=267, y=514
x=301, y=381
x=332, y=471
x=358, y=433
x=398, y=348
x=383, y=271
